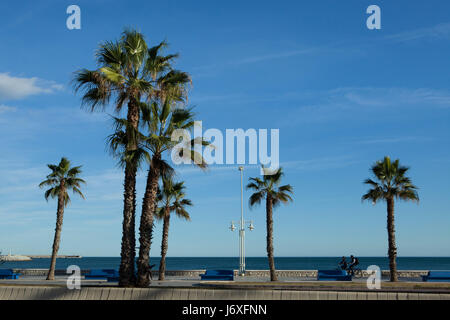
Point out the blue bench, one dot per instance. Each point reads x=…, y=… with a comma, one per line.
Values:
x=437, y=276
x=102, y=274
x=333, y=275
x=218, y=275
x=8, y=274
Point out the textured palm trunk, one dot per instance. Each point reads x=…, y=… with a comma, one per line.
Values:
x=146, y=226
x=58, y=228
x=164, y=244
x=391, y=238
x=269, y=221
x=128, y=249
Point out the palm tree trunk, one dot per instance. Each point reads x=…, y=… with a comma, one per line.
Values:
x=164, y=244
x=58, y=228
x=146, y=226
x=391, y=238
x=128, y=249
x=269, y=221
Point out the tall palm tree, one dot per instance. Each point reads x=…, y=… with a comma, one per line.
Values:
x=160, y=123
x=268, y=188
x=172, y=199
x=126, y=73
x=169, y=92
x=392, y=184
x=62, y=179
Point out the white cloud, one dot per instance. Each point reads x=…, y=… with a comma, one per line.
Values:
x=13, y=88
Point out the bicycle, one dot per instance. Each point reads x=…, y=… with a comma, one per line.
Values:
x=356, y=272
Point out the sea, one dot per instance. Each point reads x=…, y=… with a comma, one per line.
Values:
x=252, y=263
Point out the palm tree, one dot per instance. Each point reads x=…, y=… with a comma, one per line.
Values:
x=160, y=123
x=269, y=188
x=169, y=92
x=392, y=184
x=62, y=179
x=172, y=199
x=127, y=72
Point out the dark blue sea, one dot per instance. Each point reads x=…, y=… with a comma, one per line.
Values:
x=252, y=263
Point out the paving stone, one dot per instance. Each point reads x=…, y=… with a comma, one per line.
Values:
x=127, y=294
x=2, y=292
x=313, y=295
x=428, y=296
x=413, y=296
x=361, y=295
x=342, y=295
x=83, y=293
x=332, y=295
x=382, y=295
x=304, y=295
x=14, y=293
x=352, y=295
x=322, y=295
x=184, y=294
x=105, y=293
x=392, y=296
x=372, y=296
x=276, y=295
x=402, y=295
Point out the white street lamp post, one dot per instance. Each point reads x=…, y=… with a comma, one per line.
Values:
x=242, y=224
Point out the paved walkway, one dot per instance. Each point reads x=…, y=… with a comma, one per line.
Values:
x=190, y=288
x=166, y=293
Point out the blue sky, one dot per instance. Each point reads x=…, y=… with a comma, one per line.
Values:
x=341, y=95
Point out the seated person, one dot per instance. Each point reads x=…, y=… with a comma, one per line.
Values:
x=353, y=262
x=343, y=264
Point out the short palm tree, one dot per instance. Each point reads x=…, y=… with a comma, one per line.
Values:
x=392, y=184
x=171, y=199
x=62, y=179
x=268, y=188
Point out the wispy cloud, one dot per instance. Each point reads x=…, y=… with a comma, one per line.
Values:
x=375, y=96
x=439, y=31
x=389, y=140
x=4, y=109
x=348, y=102
x=277, y=55
x=14, y=88
x=206, y=70
x=322, y=163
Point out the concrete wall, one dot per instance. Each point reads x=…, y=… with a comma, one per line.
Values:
x=108, y=293
x=250, y=273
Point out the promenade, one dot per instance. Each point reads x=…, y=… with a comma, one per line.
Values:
x=24, y=292
x=189, y=287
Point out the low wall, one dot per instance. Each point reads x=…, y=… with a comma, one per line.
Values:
x=105, y=293
x=250, y=273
